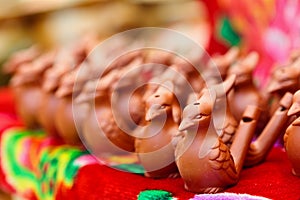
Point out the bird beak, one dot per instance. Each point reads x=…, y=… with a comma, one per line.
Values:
x=276, y=86
x=273, y=87
x=185, y=124
x=294, y=109
x=151, y=114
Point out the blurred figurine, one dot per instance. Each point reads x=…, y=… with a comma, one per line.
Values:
x=153, y=141
x=205, y=163
x=128, y=94
x=283, y=79
x=66, y=60
x=102, y=131
x=21, y=57
x=64, y=117
x=292, y=136
x=26, y=87
x=245, y=92
x=50, y=84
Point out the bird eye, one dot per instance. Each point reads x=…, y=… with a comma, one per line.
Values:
x=198, y=116
x=163, y=107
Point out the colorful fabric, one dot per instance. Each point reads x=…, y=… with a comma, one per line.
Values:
x=270, y=27
x=38, y=166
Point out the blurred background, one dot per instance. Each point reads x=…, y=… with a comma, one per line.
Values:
x=270, y=27
x=50, y=23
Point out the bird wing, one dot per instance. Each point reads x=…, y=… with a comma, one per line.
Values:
x=228, y=131
x=220, y=159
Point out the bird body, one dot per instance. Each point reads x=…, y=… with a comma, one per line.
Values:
x=213, y=172
x=292, y=135
x=155, y=149
x=104, y=132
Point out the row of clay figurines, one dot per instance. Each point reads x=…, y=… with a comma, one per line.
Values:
x=208, y=156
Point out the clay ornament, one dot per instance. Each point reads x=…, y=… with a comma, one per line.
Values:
x=26, y=87
x=70, y=86
x=260, y=148
x=285, y=79
x=127, y=95
x=205, y=163
x=66, y=60
x=292, y=136
x=102, y=131
x=153, y=143
x=245, y=91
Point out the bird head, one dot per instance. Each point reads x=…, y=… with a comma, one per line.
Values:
x=285, y=78
x=198, y=114
x=295, y=108
x=244, y=67
x=163, y=102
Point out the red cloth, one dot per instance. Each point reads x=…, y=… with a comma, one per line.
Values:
x=272, y=179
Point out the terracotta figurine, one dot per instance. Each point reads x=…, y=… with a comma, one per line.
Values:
x=127, y=94
x=284, y=78
x=26, y=86
x=153, y=143
x=66, y=60
x=245, y=91
x=69, y=88
x=205, y=163
x=102, y=131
